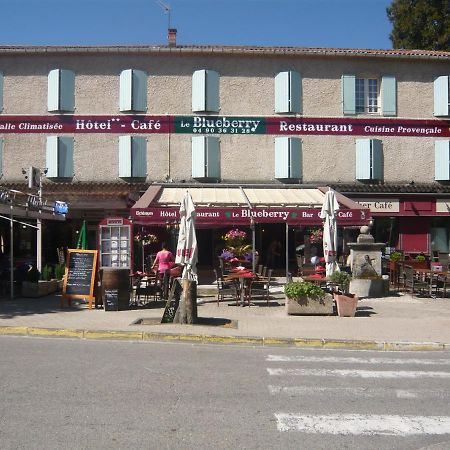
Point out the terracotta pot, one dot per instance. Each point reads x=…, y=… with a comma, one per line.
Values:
x=346, y=304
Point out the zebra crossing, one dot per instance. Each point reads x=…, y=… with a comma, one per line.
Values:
x=362, y=395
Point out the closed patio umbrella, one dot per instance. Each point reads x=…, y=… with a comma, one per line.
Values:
x=330, y=207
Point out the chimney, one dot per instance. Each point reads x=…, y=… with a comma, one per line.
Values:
x=172, y=37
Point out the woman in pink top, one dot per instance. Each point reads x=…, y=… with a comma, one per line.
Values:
x=164, y=259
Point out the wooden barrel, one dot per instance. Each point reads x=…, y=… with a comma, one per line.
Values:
x=115, y=288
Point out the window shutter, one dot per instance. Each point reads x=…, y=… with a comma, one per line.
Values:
x=212, y=91
x=65, y=157
x=1, y=91
x=138, y=157
x=53, y=90
x=282, y=157
x=377, y=159
x=198, y=156
x=199, y=91
x=389, y=95
x=282, y=92
x=348, y=94
x=212, y=157
x=125, y=157
x=126, y=90
x=442, y=160
x=295, y=158
x=363, y=159
x=139, y=91
x=1, y=157
x=52, y=157
x=296, y=92
x=66, y=90
x=441, y=96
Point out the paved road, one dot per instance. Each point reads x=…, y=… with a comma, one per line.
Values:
x=78, y=394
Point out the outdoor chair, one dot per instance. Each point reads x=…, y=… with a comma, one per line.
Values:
x=260, y=288
x=226, y=290
x=300, y=262
x=413, y=284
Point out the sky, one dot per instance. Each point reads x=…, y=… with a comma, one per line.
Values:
x=293, y=23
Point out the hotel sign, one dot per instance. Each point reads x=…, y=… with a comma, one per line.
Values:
x=217, y=125
x=381, y=205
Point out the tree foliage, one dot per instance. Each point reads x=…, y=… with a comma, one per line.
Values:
x=420, y=24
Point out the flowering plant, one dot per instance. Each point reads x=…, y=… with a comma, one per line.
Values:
x=316, y=236
x=235, y=241
x=145, y=239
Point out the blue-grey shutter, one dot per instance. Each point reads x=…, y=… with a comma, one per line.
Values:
x=126, y=90
x=65, y=157
x=295, y=156
x=1, y=91
x=377, y=159
x=139, y=91
x=282, y=92
x=125, y=156
x=363, y=159
x=1, y=157
x=139, y=157
x=66, y=90
x=198, y=156
x=53, y=90
x=199, y=91
x=282, y=157
x=441, y=96
x=389, y=95
x=51, y=160
x=212, y=157
x=295, y=85
x=348, y=94
x=442, y=160
x=212, y=91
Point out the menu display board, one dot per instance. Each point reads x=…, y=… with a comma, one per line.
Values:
x=80, y=275
x=115, y=243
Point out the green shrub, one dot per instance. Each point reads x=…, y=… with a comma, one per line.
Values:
x=342, y=279
x=47, y=273
x=420, y=258
x=60, y=270
x=297, y=289
x=395, y=256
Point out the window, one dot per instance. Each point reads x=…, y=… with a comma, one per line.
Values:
x=442, y=160
x=369, y=159
x=59, y=159
x=205, y=157
x=1, y=91
x=132, y=157
x=61, y=91
x=288, y=92
x=369, y=95
x=133, y=91
x=205, y=91
x=288, y=158
x=441, y=96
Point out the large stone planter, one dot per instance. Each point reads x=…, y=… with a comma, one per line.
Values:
x=346, y=304
x=39, y=289
x=309, y=306
x=375, y=288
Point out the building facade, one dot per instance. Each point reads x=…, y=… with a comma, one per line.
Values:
x=104, y=123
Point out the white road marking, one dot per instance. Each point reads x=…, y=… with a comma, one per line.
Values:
x=362, y=424
x=357, y=373
x=353, y=360
x=361, y=392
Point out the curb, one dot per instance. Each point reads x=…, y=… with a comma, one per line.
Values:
x=214, y=339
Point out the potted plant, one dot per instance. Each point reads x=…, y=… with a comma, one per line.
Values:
x=345, y=302
x=304, y=297
x=60, y=270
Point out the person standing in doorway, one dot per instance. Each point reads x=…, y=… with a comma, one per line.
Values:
x=273, y=254
x=164, y=260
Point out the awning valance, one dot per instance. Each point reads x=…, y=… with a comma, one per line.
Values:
x=239, y=205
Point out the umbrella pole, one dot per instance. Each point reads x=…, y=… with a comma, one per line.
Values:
x=287, y=252
x=252, y=225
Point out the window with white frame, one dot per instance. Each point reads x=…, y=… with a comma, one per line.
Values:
x=132, y=157
x=59, y=157
x=1, y=91
x=205, y=157
x=205, y=91
x=369, y=95
x=288, y=158
x=442, y=160
x=133, y=90
x=442, y=96
x=369, y=159
x=61, y=91
x=288, y=92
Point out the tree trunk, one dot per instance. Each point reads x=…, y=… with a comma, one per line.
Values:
x=187, y=311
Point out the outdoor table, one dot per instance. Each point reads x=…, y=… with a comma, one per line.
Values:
x=317, y=279
x=242, y=275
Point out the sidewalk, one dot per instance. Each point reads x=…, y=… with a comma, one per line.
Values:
x=390, y=323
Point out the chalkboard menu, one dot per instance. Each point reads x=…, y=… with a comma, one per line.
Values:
x=172, y=302
x=80, y=274
x=111, y=299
